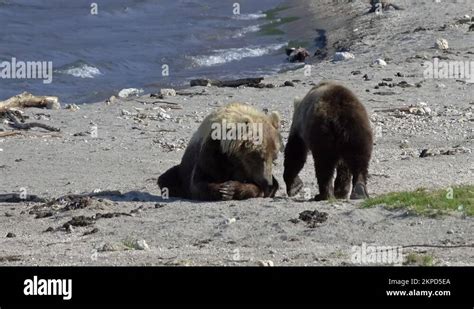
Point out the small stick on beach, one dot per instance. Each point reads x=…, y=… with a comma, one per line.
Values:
x=26, y=126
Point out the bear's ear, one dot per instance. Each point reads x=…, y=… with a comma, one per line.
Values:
x=296, y=102
x=275, y=120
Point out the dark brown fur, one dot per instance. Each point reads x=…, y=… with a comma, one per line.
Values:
x=332, y=123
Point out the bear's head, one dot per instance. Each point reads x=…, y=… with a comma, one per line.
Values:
x=251, y=141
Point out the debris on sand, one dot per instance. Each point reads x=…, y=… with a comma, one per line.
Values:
x=111, y=100
x=427, y=153
x=342, y=56
x=229, y=221
x=129, y=92
x=455, y=151
x=248, y=82
x=379, y=62
x=140, y=245
x=167, y=92
x=313, y=218
x=442, y=44
x=445, y=151
x=419, y=110
x=72, y=107
x=110, y=247
x=265, y=263
x=93, y=231
x=11, y=235
x=65, y=203
x=80, y=202
x=79, y=221
x=10, y=258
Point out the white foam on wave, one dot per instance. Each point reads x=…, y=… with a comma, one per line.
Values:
x=221, y=56
x=82, y=71
x=246, y=30
x=250, y=16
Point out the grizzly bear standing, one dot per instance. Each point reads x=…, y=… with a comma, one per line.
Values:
x=332, y=123
x=229, y=157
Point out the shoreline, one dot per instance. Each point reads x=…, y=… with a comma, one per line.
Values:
x=140, y=138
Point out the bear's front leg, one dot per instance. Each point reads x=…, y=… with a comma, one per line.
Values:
x=235, y=190
x=271, y=191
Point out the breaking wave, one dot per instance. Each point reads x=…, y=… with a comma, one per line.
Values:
x=221, y=56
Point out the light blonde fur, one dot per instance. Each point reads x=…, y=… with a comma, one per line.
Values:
x=238, y=113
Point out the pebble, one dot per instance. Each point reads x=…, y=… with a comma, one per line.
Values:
x=229, y=221
x=265, y=263
x=169, y=92
x=72, y=107
x=110, y=100
x=342, y=56
x=379, y=62
x=111, y=247
x=404, y=144
x=442, y=44
x=11, y=235
x=125, y=112
x=141, y=245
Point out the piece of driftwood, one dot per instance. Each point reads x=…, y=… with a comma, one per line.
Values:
x=26, y=126
x=26, y=100
x=405, y=109
x=184, y=93
x=250, y=82
x=167, y=104
x=9, y=133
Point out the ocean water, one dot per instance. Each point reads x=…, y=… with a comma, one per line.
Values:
x=128, y=43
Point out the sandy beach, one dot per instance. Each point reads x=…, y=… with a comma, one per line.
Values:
x=123, y=145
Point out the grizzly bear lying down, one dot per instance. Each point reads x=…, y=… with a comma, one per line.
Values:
x=229, y=157
x=331, y=123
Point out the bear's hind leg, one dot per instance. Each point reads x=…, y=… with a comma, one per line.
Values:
x=325, y=167
x=342, y=184
x=358, y=166
x=171, y=181
x=296, y=153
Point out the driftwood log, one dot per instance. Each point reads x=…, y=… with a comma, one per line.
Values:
x=10, y=109
x=26, y=100
x=250, y=82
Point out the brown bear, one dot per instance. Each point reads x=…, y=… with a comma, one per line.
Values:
x=332, y=123
x=229, y=157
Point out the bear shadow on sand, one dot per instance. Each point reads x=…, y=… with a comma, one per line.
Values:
x=139, y=196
